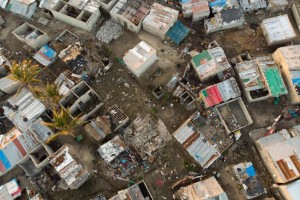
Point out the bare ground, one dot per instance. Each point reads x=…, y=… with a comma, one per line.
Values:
x=168, y=167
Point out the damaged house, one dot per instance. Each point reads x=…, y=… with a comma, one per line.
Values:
x=210, y=62
x=73, y=57
x=146, y=135
x=130, y=14
x=197, y=9
x=120, y=158
x=30, y=35
x=233, y=115
x=140, y=58
x=159, y=20
x=289, y=61
x=82, y=14
x=64, y=40
x=202, y=139
x=26, y=147
x=246, y=175
x=68, y=169
x=201, y=190
x=221, y=92
x=260, y=79
x=104, y=125
x=278, y=30
x=79, y=97
x=226, y=18
x=138, y=191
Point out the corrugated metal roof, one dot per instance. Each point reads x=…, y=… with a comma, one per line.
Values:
x=196, y=144
x=208, y=189
x=287, y=160
x=178, y=32
x=221, y=92
x=275, y=81
x=111, y=149
x=45, y=55
x=68, y=169
x=28, y=109
x=293, y=190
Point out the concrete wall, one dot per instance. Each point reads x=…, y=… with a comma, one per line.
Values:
x=241, y=104
x=157, y=32
x=199, y=16
x=210, y=28
x=8, y=86
x=296, y=13
x=126, y=23
x=108, y=6
x=284, y=68
x=146, y=65
x=77, y=22
x=38, y=43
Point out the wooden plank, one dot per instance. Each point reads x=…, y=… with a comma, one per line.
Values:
x=296, y=162
x=191, y=140
x=284, y=169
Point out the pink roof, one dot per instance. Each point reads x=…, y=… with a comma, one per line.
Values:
x=213, y=96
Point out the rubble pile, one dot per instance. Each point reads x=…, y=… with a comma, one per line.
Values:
x=109, y=31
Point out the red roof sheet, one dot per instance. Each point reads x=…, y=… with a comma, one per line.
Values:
x=213, y=96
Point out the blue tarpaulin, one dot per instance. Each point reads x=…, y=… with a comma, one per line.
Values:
x=178, y=32
x=250, y=171
x=47, y=51
x=184, y=1
x=220, y=3
x=4, y=160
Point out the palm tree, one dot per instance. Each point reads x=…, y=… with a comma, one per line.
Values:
x=63, y=123
x=48, y=94
x=24, y=72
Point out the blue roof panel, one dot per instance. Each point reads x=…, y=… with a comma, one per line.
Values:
x=4, y=160
x=47, y=51
x=251, y=171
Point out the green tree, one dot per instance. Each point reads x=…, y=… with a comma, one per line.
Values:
x=63, y=123
x=24, y=72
